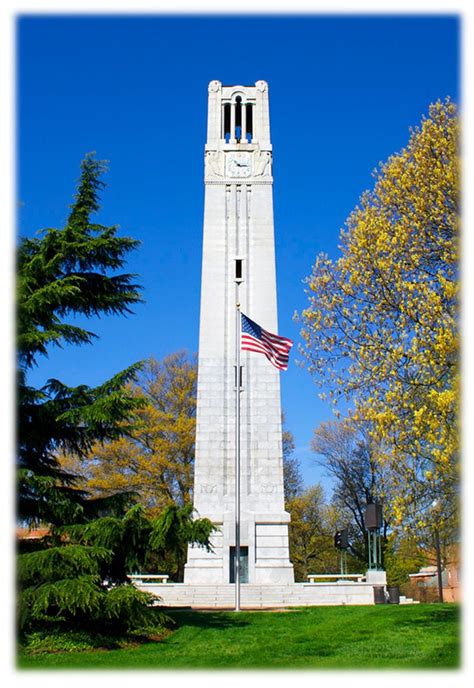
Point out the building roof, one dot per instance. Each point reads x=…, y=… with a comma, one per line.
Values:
x=32, y=533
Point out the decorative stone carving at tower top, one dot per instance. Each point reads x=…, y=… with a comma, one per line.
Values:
x=262, y=162
x=214, y=163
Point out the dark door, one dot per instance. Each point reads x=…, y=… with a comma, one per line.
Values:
x=244, y=565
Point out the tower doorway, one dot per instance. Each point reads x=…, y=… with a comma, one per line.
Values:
x=244, y=565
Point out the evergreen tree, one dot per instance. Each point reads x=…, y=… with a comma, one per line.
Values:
x=64, y=273
x=76, y=576
x=77, y=579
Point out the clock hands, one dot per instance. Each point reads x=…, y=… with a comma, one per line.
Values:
x=239, y=167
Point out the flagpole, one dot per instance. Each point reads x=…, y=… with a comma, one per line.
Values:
x=238, y=326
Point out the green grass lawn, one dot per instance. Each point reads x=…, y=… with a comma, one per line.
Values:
x=378, y=637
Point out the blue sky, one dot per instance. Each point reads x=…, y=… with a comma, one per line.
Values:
x=344, y=91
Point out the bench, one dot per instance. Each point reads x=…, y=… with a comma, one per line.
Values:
x=153, y=577
x=314, y=577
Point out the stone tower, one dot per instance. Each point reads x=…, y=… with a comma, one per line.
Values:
x=238, y=265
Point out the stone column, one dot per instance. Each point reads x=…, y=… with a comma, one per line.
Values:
x=243, y=110
x=232, y=123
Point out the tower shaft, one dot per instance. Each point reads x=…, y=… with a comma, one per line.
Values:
x=238, y=264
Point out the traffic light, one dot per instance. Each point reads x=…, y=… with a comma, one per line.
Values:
x=341, y=540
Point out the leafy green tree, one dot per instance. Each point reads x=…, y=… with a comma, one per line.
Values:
x=311, y=534
x=62, y=274
x=293, y=483
x=403, y=555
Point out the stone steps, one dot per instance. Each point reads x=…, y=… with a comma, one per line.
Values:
x=408, y=600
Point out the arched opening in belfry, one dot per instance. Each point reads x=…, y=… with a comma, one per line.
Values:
x=249, y=122
x=238, y=119
x=226, y=123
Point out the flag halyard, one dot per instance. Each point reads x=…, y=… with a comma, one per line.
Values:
x=274, y=347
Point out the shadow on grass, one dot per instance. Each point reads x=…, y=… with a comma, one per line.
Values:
x=206, y=619
x=448, y=656
x=433, y=617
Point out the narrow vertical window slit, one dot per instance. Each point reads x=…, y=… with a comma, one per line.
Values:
x=238, y=268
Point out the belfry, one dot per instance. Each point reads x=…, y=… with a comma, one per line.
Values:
x=238, y=266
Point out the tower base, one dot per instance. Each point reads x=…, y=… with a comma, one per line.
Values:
x=264, y=552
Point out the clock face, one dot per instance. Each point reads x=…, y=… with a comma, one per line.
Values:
x=238, y=165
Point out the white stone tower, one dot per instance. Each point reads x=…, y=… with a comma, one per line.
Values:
x=238, y=264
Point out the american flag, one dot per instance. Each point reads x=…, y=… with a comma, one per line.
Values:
x=275, y=348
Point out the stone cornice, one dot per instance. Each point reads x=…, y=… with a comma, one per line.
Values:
x=243, y=182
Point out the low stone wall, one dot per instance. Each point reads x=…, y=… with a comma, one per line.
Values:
x=257, y=596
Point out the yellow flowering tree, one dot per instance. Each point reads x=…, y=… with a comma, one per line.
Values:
x=381, y=328
x=312, y=528
x=155, y=460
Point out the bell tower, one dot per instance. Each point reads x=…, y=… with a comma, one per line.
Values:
x=238, y=265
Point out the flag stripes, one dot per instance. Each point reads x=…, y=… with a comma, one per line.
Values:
x=274, y=347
